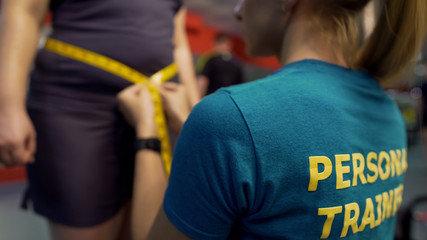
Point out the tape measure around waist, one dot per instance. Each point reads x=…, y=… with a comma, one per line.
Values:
x=119, y=69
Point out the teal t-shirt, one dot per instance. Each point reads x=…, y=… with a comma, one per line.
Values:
x=314, y=151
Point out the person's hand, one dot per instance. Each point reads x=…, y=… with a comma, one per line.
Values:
x=136, y=105
x=17, y=137
x=176, y=104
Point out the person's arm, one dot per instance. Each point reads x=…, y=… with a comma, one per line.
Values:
x=150, y=179
x=211, y=184
x=184, y=59
x=149, y=187
x=19, y=34
x=176, y=105
x=204, y=196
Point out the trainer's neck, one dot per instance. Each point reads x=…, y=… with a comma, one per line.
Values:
x=301, y=42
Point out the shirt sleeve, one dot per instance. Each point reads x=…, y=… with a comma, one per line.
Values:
x=213, y=170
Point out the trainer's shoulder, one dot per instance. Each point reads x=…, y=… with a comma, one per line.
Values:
x=279, y=84
x=253, y=86
x=215, y=113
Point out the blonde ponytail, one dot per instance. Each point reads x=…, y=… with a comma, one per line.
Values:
x=396, y=40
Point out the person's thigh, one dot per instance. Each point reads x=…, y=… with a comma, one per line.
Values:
x=82, y=176
x=109, y=230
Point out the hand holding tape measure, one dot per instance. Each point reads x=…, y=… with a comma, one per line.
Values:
x=114, y=67
x=137, y=106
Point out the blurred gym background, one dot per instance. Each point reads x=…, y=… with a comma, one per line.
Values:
x=205, y=19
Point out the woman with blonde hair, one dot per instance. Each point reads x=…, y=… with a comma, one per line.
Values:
x=317, y=150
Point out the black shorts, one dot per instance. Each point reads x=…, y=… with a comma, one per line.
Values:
x=83, y=172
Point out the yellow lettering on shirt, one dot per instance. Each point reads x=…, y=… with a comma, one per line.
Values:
x=387, y=204
x=358, y=168
x=404, y=160
x=368, y=216
x=396, y=168
x=350, y=220
x=384, y=174
x=330, y=216
x=372, y=167
x=397, y=199
x=341, y=170
x=355, y=170
x=378, y=199
x=315, y=175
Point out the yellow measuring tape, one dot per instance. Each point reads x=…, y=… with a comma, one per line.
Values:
x=131, y=75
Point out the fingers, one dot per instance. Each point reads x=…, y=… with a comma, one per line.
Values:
x=17, y=139
x=18, y=152
x=144, y=91
x=23, y=152
x=12, y=155
x=129, y=92
x=169, y=89
x=30, y=149
x=8, y=153
x=127, y=99
x=132, y=93
x=5, y=157
x=171, y=86
x=136, y=105
x=138, y=89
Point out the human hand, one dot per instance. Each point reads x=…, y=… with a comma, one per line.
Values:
x=17, y=137
x=176, y=104
x=137, y=106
